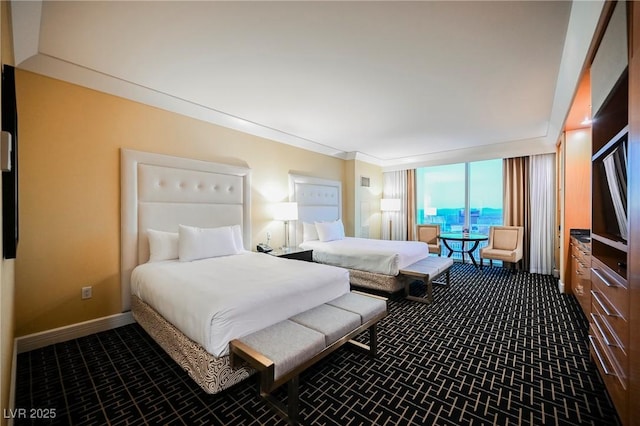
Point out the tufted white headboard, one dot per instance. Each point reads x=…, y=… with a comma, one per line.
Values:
x=161, y=192
x=319, y=200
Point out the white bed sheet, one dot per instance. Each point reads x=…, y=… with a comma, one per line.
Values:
x=214, y=301
x=365, y=254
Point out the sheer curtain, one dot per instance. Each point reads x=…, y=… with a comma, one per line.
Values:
x=543, y=206
x=395, y=186
x=516, y=200
x=411, y=205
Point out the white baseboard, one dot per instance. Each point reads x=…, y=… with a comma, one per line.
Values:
x=73, y=331
x=560, y=286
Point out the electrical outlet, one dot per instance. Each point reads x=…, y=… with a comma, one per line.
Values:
x=86, y=292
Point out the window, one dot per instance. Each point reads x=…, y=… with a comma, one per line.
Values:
x=485, y=191
x=464, y=196
x=440, y=196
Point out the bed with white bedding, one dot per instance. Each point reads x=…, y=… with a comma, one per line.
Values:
x=366, y=254
x=185, y=273
x=371, y=263
x=215, y=300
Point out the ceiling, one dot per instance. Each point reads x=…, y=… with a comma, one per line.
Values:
x=393, y=83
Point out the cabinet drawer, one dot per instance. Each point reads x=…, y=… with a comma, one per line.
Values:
x=609, y=315
x=583, y=272
x=611, y=341
x=610, y=288
x=577, y=283
x=574, y=248
x=585, y=300
x=616, y=385
x=580, y=252
x=585, y=257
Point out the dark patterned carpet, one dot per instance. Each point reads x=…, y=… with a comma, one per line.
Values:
x=495, y=348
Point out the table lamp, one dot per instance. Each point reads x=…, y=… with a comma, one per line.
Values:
x=285, y=212
x=390, y=205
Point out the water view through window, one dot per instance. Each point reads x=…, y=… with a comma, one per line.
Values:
x=464, y=196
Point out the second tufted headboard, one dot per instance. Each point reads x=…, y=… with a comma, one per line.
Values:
x=161, y=192
x=319, y=200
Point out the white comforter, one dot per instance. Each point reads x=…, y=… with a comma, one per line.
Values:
x=379, y=256
x=214, y=301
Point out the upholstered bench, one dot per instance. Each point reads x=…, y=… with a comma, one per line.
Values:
x=427, y=270
x=284, y=350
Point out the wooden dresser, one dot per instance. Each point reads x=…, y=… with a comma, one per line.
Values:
x=614, y=316
x=609, y=332
x=580, y=264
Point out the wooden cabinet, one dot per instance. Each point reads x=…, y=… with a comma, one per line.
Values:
x=633, y=245
x=615, y=217
x=609, y=331
x=580, y=254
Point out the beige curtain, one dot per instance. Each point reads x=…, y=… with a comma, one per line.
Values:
x=411, y=205
x=517, y=208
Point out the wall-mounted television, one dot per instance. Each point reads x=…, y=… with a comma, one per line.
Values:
x=610, y=168
x=10, y=177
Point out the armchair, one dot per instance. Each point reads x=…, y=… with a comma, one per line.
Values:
x=505, y=244
x=429, y=234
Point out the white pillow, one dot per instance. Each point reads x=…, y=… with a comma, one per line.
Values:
x=309, y=232
x=202, y=243
x=237, y=237
x=162, y=245
x=330, y=231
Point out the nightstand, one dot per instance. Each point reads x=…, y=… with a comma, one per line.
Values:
x=294, y=253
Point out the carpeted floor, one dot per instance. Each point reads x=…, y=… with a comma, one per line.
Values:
x=494, y=348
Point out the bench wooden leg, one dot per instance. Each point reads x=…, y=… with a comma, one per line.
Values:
x=373, y=341
x=428, y=298
x=407, y=285
x=372, y=348
x=427, y=283
x=293, y=402
x=290, y=411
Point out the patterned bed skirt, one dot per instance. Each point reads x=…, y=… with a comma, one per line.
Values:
x=213, y=374
x=388, y=283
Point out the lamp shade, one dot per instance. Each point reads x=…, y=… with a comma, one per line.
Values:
x=390, y=204
x=285, y=211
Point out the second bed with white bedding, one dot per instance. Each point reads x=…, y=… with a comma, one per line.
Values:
x=376, y=256
x=215, y=300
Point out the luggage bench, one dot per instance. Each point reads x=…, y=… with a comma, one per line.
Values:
x=427, y=270
x=284, y=350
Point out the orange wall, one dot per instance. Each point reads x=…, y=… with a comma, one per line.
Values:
x=577, y=190
x=70, y=138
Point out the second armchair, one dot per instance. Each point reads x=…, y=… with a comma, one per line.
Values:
x=505, y=244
